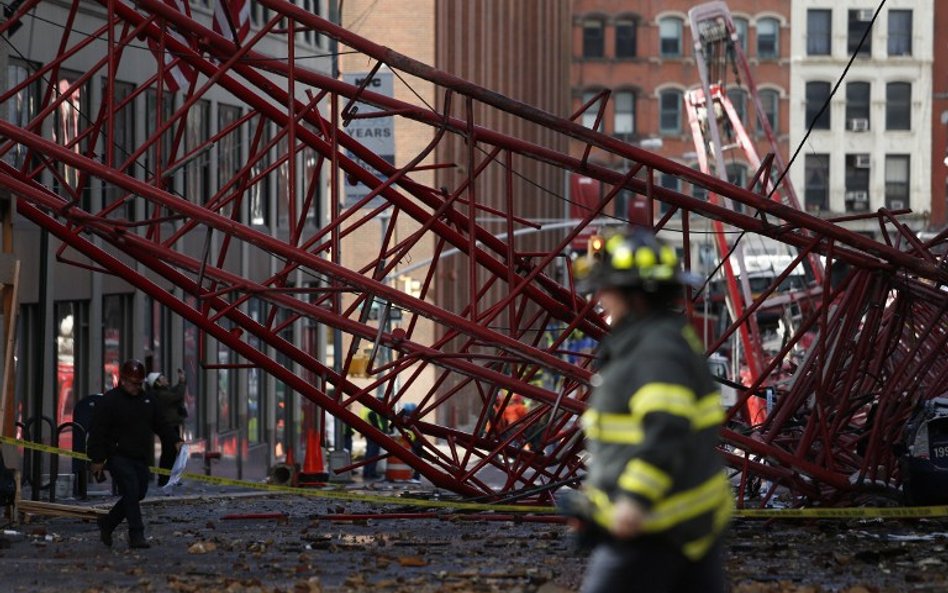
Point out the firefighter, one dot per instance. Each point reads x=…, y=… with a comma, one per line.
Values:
x=372, y=449
x=656, y=491
x=414, y=438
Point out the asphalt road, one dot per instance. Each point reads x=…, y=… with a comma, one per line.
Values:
x=195, y=548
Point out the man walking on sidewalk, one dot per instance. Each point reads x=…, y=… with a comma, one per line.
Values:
x=122, y=441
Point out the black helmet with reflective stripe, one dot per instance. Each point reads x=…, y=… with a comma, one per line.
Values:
x=633, y=259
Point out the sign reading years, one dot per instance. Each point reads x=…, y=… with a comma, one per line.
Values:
x=375, y=133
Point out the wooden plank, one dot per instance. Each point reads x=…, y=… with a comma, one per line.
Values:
x=34, y=507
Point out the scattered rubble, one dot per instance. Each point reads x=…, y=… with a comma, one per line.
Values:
x=193, y=551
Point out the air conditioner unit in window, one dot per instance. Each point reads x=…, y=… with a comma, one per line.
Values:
x=863, y=161
x=896, y=204
x=859, y=124
x=864, y=14
x=857, y=196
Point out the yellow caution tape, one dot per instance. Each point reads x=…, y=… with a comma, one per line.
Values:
x=335, y=493
x=846, y=513
x=330, y=493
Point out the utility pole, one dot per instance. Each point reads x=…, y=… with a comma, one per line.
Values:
x=339, y=437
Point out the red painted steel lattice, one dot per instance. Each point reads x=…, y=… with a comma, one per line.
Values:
x=876, y=332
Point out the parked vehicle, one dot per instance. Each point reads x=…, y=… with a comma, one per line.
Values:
x=925, y=460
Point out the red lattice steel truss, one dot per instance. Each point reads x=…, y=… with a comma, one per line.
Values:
x=875, y=335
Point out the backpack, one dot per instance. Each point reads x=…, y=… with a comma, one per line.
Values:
x=7, y=484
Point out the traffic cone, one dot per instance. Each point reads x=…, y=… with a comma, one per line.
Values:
x=314, y=470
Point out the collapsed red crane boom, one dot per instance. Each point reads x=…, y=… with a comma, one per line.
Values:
x=892, y=297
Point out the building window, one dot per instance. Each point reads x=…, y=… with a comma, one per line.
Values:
x=896, y=181
x=592, y=111
x=819, y=32
x=816, y=182
x=770, y=101
x=594, y=41
x=229, y=149
x=696, y=190
x=283, y=181
x=624, y=115
x=625, y=38
x=154, y=120
x=669, y=34
x=198, y=171
x=259, y=14
x=21, y=107
x=768, y=38
x=116, y=336
x=312, y=185
x=857, y=182
x=738, y=98
x=898, y=104
x=191, y=359
x=737, y=175
x=123, y=140
x=817, y=95
x=311, y=7
x=72, y=345
x=669, y=120
x=67, y=130
x=256, y=378
x=260, y=188
x=668, y=181
x=857, y=106
x=227, y=392
x=859, y=21
x=741, y=27
x=900, y=32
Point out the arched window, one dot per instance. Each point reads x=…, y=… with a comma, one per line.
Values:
x=738, y=98
x=626, y=38
x=742, y=27
x=768, y=38
x=589, y=116
x=624, y=106
x=669, y=119
x=669, y=35
x=857, y=106
x=770, y=101
x=594, y=40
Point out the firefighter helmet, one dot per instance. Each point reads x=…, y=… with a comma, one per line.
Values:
x=633, y=259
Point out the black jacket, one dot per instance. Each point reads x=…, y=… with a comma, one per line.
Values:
x=170, y=403
x=125, y=425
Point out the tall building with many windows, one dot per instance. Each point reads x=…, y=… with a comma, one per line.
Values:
x=644, y=53
x=871, y=146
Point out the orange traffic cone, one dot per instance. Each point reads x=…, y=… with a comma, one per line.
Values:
x=314, y=471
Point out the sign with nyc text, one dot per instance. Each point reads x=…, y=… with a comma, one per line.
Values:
x=375, y=133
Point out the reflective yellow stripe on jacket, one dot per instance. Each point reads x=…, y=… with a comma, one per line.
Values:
x=618, y=428
x=645, y=479
x=712, y=496
x=612, y=428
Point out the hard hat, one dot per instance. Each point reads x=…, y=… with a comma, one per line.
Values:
x=409, y=407
x=133, y=369
x=150, y=379
x=633, y=259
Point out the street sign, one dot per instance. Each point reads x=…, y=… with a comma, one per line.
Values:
x=375, y=133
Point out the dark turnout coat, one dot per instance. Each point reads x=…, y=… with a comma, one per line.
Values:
x=652, y=427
